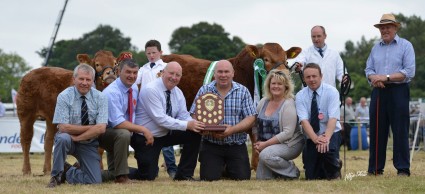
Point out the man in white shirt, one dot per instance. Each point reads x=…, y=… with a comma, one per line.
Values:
x=329, y=60
x=147, y=73
x=162, y=109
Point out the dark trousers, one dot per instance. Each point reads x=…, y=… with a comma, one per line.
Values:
x=233, y=159
x=147, y=155
x=322, y=165
x=391, y=110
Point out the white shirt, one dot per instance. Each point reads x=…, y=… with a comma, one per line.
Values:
x=147, y=74
x=151, y=109
x=331, y=63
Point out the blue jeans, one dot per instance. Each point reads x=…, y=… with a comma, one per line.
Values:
x=170, y=160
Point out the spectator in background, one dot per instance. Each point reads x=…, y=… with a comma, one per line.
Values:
x=2, y=109
x=362, y=111
x=347, y=121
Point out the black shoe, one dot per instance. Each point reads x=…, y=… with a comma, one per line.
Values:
x=378, y=173
x=53, y=182
x=179, y=177
x=66, y=167
x=403, y=174
x=337, y=175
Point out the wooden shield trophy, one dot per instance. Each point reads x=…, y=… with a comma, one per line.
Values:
x=210, y=110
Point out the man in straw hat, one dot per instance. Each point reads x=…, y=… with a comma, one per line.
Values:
x=389, y=69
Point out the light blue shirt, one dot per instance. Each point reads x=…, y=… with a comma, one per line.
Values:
x=151, y=109
x=327, y=101
x=117, y=94
x=68, y=107
x=397, y=56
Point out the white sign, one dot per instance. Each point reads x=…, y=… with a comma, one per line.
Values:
x=10, y=139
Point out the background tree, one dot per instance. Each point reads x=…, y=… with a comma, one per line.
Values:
x=12, y=69
x=204, y=40
x=104, y=37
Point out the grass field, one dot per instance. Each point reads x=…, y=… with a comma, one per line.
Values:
x=12, y=180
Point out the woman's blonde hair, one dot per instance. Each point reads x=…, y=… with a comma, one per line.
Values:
x=284, y=78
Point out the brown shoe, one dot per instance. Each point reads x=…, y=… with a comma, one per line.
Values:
x=122, y=179
x=66, y=167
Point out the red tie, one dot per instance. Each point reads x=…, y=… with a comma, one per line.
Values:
x=130, y=105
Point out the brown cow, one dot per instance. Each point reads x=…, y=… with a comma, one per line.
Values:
x=37, y=98
x=194, y=71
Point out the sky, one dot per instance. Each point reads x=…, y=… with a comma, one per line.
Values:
x=26, y=26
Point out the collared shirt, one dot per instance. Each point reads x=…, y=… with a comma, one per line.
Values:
x=349, y=113
x=331, y=63
x=238, y=104
x=147, y=74
x=151, y=109
x=117, y=94
x=362, y=112
x=68, y=107
x=327, y=100
x=396, y=57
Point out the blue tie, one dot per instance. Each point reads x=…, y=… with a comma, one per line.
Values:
x=152, y=64
x=321, y=52
x=314, y=116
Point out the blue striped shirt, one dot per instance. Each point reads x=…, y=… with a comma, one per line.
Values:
x=68, y=107
x=238, y=104
x=395, y=57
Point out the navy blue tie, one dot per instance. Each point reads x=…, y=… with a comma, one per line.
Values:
x=314, y=116
x=152, y=64
x=321, y=52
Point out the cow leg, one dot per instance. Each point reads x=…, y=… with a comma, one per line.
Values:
x=48, y=145
x=100, y=151
x=254, y=154
x=27, y=132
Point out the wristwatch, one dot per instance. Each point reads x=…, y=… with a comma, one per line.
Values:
x=388, y=78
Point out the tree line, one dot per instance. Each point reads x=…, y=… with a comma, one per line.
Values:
x=212, y=42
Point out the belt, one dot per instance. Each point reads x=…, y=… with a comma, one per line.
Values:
x=393, y=85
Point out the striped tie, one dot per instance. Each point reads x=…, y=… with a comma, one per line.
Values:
x=169, y=108
x=84, y=112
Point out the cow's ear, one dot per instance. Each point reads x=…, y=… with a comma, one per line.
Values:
x=84, y=58
x=293, y=52
x=252, y=51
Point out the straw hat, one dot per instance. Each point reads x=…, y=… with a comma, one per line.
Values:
x=387, y=19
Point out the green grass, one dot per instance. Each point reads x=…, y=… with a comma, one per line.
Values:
x=12, y=180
